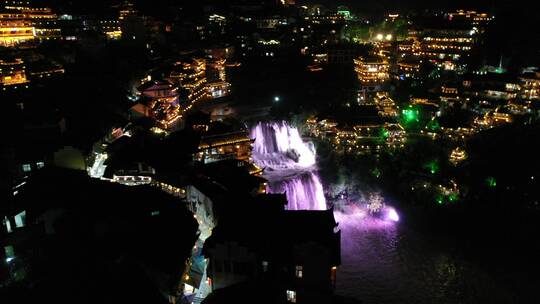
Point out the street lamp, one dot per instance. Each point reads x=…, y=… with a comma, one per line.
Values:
x=276, y=98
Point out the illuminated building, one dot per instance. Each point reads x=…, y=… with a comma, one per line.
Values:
x=270, y=22
x=492, y=86
x=371, y=72
x=126, y=9
x=220, y=52
x=111, y=28
x=44, y=70
x=215, y=70
x=408, y=69
x=136, y=175
x=161, y=103
x=45, y=23
x=190, y=76
x=216, y=75
x=236, y=145
x=20, y=22
x=362, y=138
x=159, y=90
x=530, y=86
x=218, y=89
x=445, y=47
x=14, y=29
x=392, y=17
x=12, y=73
x=326, y=19
x=457, y=156
x=473, y=18
x=385, y=105
x=501, y=115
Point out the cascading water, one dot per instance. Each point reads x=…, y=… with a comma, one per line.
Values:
x=289, y=164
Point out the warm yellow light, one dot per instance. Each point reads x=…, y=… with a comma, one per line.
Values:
x=380, y=36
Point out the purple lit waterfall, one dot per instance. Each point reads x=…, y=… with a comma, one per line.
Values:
x=289, y=164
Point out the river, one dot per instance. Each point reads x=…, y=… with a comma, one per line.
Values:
x=389, y=263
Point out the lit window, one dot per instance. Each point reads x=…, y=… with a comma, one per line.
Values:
x=7, y=224
x=40, y=165
x=20, y=219
x=299, y=272
x=27, y=168
x=265, y=266
x=291, y=296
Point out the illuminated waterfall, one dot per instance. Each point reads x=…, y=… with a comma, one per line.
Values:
x=289, y=164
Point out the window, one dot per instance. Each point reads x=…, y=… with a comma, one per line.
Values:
x=7, y=224
x=27, y=168
x=40, y=165
x=265, y=266
x=291, y=296
x=299, y=273
x=20, y=219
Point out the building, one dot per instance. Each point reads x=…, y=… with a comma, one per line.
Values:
x=408, y=68
x=13, y=74
x=218, y=89
x=295, y=261
x=160, y=100
x=22, y=22
x=234, y=145
x=215, y=70
x=163, y=90
x=445, y=46
x=190, y=75
x=530, y=86
x=15, y=29
x=372, y=72
x=476, y=19
x=457, y=156
x=111, y=28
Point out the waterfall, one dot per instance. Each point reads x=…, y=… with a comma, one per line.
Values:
x=290, y=165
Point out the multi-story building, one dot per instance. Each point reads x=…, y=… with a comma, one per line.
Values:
x=111, y=28
x=234, y=145
x=215, y=70
x=190, y=76
x=474, y=18
x=13, y=74
x=216, y=75
x=408, y=68
x=530, y=86
x=372, y=72
x=294, y=261
x=21, y=21
x=15, y=29
x=445, y=47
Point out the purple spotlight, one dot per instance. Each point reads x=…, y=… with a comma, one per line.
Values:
x=392, y=215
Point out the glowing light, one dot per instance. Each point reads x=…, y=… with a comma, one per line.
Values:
x=276, y=98
x=491, y=181
x=432, y=166
x=392, y=215
x=380, y=36
x=388, y=37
